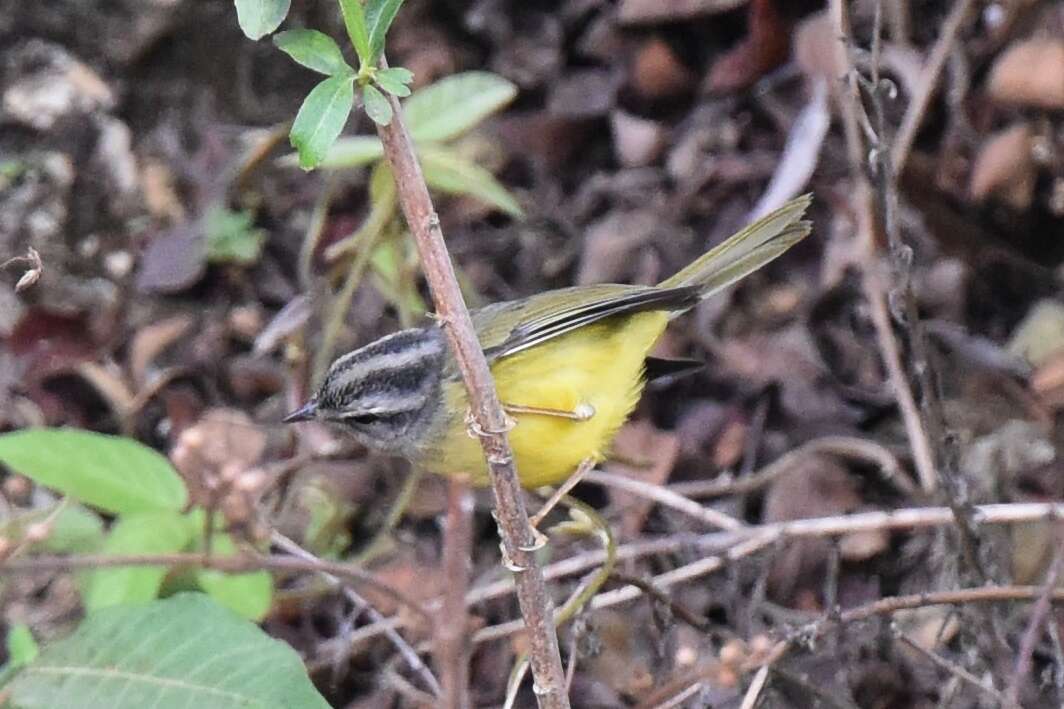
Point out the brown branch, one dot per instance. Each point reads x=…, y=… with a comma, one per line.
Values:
x=728, y=546
x=843, y=446
x=951, y=667
x=229, y=564
x=408, y=653
x=489, y=421
x=914, y=114
x=1034, y=630
x=452, y=646
x=665, y=497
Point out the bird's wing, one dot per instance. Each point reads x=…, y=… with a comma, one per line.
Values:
x=507, y=328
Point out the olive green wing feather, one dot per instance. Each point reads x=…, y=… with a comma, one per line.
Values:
x=508, y=328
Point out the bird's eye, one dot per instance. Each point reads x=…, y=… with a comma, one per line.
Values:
x=364, y=418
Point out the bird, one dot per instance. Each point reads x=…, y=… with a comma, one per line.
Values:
x=569, y=367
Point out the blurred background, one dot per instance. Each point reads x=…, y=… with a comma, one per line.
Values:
x=192, y=279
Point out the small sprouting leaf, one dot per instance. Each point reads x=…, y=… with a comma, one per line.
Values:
x=448, y=171
x=376, y=104
x=314, y=50
x=258, y=18
x=146, y=533
x=230, y=236
x=379, y=17
x=117, y=475
x=353, y=151
x=249, y=594
x=321, y=118
x=186, y=651
x=21, y=647
x=453, y=105
x=355, y=21
x=394, y=80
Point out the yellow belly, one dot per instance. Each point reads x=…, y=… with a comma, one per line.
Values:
x=600, y=365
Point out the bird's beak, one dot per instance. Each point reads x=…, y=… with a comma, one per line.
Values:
x=303, y=413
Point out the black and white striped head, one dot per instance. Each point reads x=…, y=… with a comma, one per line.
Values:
x=384, y=393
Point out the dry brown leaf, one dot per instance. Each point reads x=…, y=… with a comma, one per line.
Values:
x=765, y=47
x=640, y=441
x=1030, y=73
x=1040, y=335
x=149, y=342
x=814, y=47
x=646, y=12
x=1047, y=381
x=610, y=242
x=658, y=73
x=636, y=141
x=818, y=486
x=1005, y=167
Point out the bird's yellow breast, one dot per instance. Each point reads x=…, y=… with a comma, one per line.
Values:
x=599, y=365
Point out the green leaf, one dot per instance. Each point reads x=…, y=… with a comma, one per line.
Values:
x=186, y=651
x=231, y=238
x=145, y=533
x=249, y=594
x=394, y=80
x=448, y=171
x=21, y=647
x=355, y=21
x=321, y=118
x=354, y=151
x=379, y=17
x=75, y=529
x=453, y=105
x=117, y=475
x=258, y=18
x=314, y=50
x=376, y=104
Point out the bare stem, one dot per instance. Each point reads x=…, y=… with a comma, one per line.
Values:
x=452, y=647
x=1034, y=630
x=489, y=419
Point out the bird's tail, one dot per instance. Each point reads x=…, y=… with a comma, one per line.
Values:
x=746, y=251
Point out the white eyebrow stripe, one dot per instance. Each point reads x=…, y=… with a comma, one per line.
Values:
x=388, y=361
x=387, y=406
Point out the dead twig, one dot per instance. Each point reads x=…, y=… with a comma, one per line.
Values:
x=729, y=546
x=452, y=649
x=1034, y=630
x=951, y=667
x=753, y=692
x=229, y=564
x=843, y=446
x=666, y=497
x=491, y=424
x=408, y=653
x=914, y=114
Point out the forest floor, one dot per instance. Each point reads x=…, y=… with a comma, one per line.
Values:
x=908, y=358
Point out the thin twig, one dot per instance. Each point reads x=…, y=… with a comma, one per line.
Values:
x=677, y=609
x=490, y=421
x=753, y=692
x=408, y=653
x=229, y=564
x=951, y=667
x=727, y=546
x=1034, y=630
x=452, y=651
x=914, y=114
x=844, y=446
x=664, y=496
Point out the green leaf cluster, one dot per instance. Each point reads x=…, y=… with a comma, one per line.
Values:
x=147, y=498
x=231, y=236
